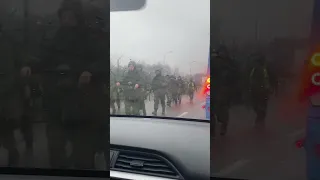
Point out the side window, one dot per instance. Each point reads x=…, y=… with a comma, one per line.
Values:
x=53, y=69
x=258, y=60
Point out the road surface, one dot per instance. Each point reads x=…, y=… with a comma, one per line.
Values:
x=185, y=110
x=248, y=153
x=40, y=157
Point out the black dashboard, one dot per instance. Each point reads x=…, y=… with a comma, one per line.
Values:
x=159, y=149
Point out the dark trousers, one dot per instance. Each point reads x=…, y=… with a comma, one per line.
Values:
x=159, y=98
x=112, y=105
x=221, y=114
x=75, y=118
x=260, y=105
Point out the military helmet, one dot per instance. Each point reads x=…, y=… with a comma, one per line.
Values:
x=72, y=5
x=133, y=63
x=158, y=71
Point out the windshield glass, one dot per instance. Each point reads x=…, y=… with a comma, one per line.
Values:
x=259, y=49
x=52, y=77
x=159, y=59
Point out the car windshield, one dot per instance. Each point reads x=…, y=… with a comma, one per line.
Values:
x=259, y=51
x=159, y=59
x=52, y=84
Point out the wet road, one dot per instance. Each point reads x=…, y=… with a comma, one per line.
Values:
x=249, y=153
x=185, y=110
x=39, y=159
x=40, y=154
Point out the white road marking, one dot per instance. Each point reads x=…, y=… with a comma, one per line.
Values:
x=233, y=167
x=181, y=115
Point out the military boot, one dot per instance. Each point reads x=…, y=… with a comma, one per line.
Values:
x=154, y=112
x=163, y=112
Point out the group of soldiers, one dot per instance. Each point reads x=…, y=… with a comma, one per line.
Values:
x=136, y=88
x=72, y=83
x=251, y=86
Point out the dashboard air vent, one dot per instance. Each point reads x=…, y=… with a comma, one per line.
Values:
x=145, y=163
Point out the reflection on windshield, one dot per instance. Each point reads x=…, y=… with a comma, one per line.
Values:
x=257, y=60
x=52, y=78
x=159, y=60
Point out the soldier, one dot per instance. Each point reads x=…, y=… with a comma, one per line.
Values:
x=191, y=88
x=159, y=87
x=221, y=88
x=168, y=95
x=143, y=90
x=74, y=101
x=173, y=89
x=259, y=88
x=100, y=39
x=11, y=107
x=180, y=88
x=31, y=93
x=115, y=91
x=132, y=85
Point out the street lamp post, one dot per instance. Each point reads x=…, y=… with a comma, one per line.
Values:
x=191, y=65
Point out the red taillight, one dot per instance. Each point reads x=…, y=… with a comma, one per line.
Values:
x=206, y=86
x=300, y=143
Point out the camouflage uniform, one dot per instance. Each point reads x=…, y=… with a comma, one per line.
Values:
x=180, y=90
x=132, y=95
x=32, y=93
x=173, y=89
x=168, y=94
x=100, y=40
x=143, y=96
x=73, y=113
x=221, y=88
x=114, y=98
x=259, y=90
x=191, y=89
x=159, y=87
x=11, y=107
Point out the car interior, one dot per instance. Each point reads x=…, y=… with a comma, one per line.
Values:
x=143, y=148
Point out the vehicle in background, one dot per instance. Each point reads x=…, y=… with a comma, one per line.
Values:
x=207, y=91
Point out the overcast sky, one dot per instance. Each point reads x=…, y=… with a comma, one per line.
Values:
x=179, y=26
